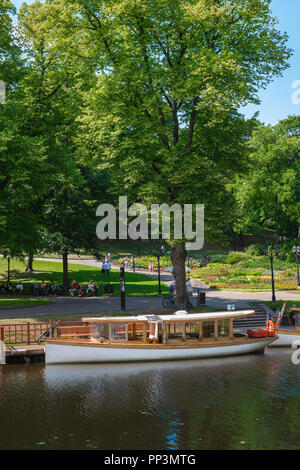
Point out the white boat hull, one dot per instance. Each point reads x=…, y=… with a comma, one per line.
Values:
x=56, y=353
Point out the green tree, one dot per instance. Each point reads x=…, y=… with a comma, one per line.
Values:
x=269, y=196
x=69, y=216
x=21, y=156
x=170, y=76
x=39, y=122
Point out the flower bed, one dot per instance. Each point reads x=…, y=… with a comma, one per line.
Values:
x=229, y=277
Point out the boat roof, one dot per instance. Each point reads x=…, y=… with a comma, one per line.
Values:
x=191, y=317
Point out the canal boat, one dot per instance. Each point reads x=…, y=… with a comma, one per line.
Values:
x=152, y=338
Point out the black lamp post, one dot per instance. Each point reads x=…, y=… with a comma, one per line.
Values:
x=270, y=251
x=296, y=250
x=158, y=254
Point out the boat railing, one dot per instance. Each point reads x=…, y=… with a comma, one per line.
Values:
x=74, y=330
x=84, y=331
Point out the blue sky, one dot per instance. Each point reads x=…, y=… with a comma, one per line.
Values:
x=276, y=100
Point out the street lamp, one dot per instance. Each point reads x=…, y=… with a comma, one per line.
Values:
x=158, y=254
x=270, y=251
x=296, y=250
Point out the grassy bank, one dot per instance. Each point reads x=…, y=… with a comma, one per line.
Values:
x=136, y=284
x=17, y=303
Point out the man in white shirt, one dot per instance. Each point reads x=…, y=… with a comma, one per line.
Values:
x=20, y=288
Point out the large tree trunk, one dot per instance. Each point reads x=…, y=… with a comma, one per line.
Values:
x=65, y=273
x=178, y=256
x=29, y=265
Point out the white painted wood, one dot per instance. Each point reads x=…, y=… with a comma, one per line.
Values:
x=68, y=353
x=2, y=353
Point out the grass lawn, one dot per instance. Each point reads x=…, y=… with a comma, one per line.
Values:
x=15, y=303
x=136, y=284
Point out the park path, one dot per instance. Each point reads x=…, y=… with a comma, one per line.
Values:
x=105, y=304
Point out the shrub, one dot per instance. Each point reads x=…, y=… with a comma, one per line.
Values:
x=254, y=250
x=219, y=260
x=237, y=257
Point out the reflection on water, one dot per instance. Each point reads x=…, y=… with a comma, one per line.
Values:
x=249, y=402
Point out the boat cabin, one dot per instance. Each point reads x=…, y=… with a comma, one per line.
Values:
x=165, y=329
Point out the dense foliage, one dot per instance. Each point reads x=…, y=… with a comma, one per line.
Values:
x=140, y=98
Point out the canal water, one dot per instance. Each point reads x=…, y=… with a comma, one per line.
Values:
x=246, y=402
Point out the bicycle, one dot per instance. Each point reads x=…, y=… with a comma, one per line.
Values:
x=167, y=302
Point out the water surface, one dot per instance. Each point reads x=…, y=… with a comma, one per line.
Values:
x=246, y=402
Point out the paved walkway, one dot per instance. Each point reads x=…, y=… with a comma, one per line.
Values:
x=214, y=299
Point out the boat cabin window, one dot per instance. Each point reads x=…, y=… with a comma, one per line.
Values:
x=175, y=330
x=223, y=328
x=192, y=330
x=99, y=331
x=119, y=332
x=208, y=329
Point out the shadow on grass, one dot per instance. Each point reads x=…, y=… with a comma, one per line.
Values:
x=136, y=284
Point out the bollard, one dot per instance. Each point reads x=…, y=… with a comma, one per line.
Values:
x=122, y=288
x=2, y=346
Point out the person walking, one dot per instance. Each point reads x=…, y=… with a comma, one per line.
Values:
x=103, y=268
x=126, y=261
x=108, y=268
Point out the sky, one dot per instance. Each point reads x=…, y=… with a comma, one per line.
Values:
x=280, y=99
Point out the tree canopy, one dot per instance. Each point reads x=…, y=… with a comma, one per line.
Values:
x=270, y=195
x=145, y=93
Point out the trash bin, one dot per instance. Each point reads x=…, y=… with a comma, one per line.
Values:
x=108, y=289
x=201, y=297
